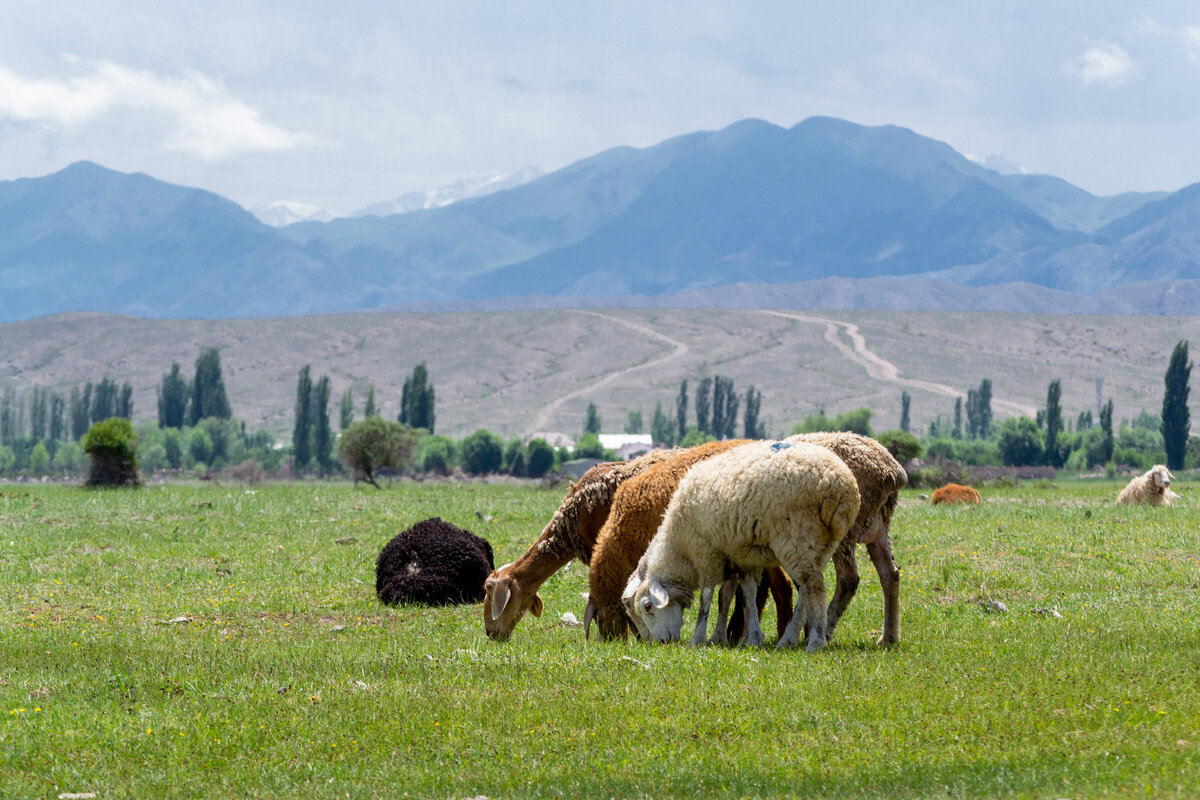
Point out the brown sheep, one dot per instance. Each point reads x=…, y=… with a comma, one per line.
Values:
x=1152, y=488
x=637, y=511
x=954, y=493
x=511, y=591
x=880, y=479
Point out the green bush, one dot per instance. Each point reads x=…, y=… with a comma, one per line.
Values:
x=375, y=444
x=539, y=457
x=1021, y=442
x=482, y=452
x=436, y=453
x=901, y=444
x=112, y=446
x=695, y=436
x=589, y=446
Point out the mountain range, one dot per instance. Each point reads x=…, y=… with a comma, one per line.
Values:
x=868, y=216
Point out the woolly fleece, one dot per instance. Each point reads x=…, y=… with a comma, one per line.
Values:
x=435, y=563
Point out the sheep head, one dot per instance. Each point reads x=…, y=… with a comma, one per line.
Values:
x=504, y=603
x=1161, y=477
x=650, y=607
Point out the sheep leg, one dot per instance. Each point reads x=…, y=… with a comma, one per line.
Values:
x=781, y=592
x=754, y=631
x=698, y=635
x=791, y=634
x=724, y=597
x=889, y=578
x=844, y=564
x=815, y=626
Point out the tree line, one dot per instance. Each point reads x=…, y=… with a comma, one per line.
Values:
x=195, y=428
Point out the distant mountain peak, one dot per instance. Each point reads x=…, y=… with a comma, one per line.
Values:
x=464, y=189
x=287, y=212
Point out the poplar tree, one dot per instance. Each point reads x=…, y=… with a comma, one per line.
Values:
x=417, y=400
x=8, y=417
x=1175, y=418
x=125, y=402
x=58, y=424
x=38, y=414
x=208, y=389
x=592, y=423
x=369, y=410
x=302, y=430
x=750, y=426
x=729, y=419
x=1054, y=422
x=322, y=433
x=346, y=411
x=104, y=401
x=958, y=418
x=661, y=430
x=703, y=404
x=173, y=399
x=1106, y=425
x=681, y=404
x=79, y=412
x=718, y=408
x=905, y=405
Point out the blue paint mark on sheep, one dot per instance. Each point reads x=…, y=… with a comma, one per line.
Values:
x=777, y=446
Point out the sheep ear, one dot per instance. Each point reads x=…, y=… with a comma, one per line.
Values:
x=631, y=587
x=535, y=607
x=658, y=595
x=499, y=598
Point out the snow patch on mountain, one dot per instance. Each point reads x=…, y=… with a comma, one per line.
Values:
x=451, y=193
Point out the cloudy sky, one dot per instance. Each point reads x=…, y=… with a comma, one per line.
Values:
x=344, y=104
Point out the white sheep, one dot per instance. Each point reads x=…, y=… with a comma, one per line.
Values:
x=759, y=505
x=1154, y=487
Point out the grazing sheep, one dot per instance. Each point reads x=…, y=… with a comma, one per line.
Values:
x=637, y=511
x=762, y=504
x=511, y=591
x=953, y=493
x=435, y=563
x=880, y=479
x=1154, y=488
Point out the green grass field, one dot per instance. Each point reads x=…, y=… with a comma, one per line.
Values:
x=290, y=680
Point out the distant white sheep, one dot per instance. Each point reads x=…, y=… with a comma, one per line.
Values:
x=1154, y=488
x=759, y=505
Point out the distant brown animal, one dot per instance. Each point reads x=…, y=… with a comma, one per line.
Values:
x=954, y=493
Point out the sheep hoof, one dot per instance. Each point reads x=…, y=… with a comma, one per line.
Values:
x=815, y=645
x=755, y=639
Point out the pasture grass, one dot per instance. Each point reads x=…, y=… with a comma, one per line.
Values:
x=289, y=679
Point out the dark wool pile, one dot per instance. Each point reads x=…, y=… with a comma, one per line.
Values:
x=435, y=563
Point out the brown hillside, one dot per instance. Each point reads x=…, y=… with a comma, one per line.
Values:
x=516, y=372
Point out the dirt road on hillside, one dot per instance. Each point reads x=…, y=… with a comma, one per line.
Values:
x=881, y=369
x=542, y=418
x=856, y=351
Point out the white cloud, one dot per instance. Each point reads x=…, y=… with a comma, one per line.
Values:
x=1191, y=39
x=1104, y=63
x=1188, y=36
x=206, y=121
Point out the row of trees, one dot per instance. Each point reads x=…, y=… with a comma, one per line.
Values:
x=716, y=405
x=182, y=402
x=54, y=418
x=313, y=438
x=1048, y=440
